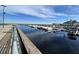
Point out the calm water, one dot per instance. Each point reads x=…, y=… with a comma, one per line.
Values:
x=52, y=43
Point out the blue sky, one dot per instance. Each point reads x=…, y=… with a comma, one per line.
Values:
x=40, y=14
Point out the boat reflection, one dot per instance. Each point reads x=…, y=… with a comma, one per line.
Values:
x=72, y=37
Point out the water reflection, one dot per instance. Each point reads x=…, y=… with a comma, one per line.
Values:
x=52, y=42
x=72, y=37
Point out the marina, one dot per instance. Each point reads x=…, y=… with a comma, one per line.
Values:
x=52, y=42
x=39, y=29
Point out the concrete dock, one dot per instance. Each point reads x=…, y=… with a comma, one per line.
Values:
x=28, y=44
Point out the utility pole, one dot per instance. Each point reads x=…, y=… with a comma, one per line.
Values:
x=3, y=13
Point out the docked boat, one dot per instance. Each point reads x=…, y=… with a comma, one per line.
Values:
x=72, y=35
x=75, y=33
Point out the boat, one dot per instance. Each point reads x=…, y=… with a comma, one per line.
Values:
x=75, y=33
x=72, y=35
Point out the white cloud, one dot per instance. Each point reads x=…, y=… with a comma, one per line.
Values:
x=38, y=11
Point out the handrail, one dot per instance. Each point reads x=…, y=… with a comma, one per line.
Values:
x=28, y=44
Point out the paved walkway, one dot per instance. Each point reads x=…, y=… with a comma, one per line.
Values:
x=4, y=30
